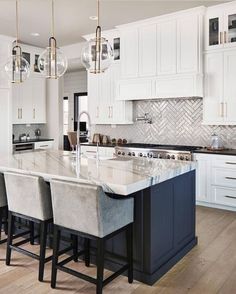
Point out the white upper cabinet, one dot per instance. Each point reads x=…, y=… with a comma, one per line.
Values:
x=29, y=101
x=219, y=106
x=166, y=47
x=147, y=50
x=214, y=91
x=129, y=53
x=220, y=26
x=187, y=44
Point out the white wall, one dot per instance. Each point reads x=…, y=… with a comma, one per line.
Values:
x=54, y=112
x=5, y=97
x=74, y=82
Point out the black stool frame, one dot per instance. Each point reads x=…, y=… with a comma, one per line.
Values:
x=99, y=281
x=3, y=222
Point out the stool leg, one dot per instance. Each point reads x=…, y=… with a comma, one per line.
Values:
x=31, y=225
x=56, y=246
x=129, y=239
x=9, y=237
x=75, y=247
x=87, y=251
x=43, y=239
x=100, y=264
x=1, y=217
x=5, y=225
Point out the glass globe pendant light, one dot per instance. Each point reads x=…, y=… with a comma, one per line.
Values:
x=52, y=62
x=17, y=67
x=97, y=54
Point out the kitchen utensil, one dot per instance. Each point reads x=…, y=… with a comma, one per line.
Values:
x=113, y=141
x=97, y=138
x=104, y=139
x=216, y=142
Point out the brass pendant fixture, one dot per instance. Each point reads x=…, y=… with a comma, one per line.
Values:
x=52, y=62
x=17, y=67
x=97, y=54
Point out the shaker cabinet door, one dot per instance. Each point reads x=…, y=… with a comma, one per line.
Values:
x=166, y=47
x=187, y=44
x=213, y=104
x=230, y=86
x=147, y=50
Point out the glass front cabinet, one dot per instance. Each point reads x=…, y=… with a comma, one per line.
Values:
x=220, y=28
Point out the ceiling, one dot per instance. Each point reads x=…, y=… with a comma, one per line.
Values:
x=72, y=16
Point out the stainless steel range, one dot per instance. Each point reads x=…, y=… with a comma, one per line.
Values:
x=174, y=152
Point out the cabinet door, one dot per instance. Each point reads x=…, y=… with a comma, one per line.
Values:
x=202, y=179
x=166, y=47
x=213, y=112
x=93, y=97
x=39, y=100
x=16, y=104
x=147, y=50
x=230, y=86
x=187, y=44
x=230, y=27
x=105, y=97
x=214, y=29
x=129, y=53
x=26, y=97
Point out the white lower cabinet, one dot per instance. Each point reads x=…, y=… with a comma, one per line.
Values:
x=216, y=180
x=44, y=145
x=90, y=151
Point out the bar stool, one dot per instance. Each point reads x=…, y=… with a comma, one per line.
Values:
x=3, y=208
x=29, y=198
x=85, y=210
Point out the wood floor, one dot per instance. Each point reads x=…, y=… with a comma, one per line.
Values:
x=209, y=268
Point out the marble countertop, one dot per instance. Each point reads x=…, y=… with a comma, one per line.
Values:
x=121, y=176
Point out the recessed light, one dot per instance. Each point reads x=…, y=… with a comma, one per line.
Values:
x=93, y=17
x=35, y=34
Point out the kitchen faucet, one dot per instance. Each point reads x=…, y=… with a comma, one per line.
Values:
x=89, y=124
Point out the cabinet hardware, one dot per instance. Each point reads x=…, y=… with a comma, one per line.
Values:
x=232, y=197
x=230, y=178
x=221, y=37
x=225, y=37
x=34, y=113
x=43, y=146
x=226, y=109
x=222, y=109
x=18, y=113
x=111, y=111
x=21, y=113
x=228, y=162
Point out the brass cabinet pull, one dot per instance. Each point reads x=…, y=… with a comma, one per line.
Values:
x=228, y=162
x=222, y=109
x=34, y=113
x=18, y=113
x=230, y=178
x=21, y=113
x=111, y=111
x=231, y=197
x=221, y=37
x=226, y=109
x=225, y=37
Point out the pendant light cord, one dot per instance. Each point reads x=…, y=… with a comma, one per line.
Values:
x=98, y=12
x=17, y=22
x=53, y=23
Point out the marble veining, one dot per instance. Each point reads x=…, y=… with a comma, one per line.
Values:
x=118, y=175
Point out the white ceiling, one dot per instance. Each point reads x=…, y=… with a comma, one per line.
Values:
x=72, y=16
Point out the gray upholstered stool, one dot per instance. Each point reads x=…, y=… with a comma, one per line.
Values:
x=3, y=207
x=87, y=211
x=29, y=198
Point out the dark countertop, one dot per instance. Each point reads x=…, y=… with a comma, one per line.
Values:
x=100, y=145
x=220, y=152
x=31, y=141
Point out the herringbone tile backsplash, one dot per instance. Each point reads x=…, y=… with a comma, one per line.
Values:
x=175, y=121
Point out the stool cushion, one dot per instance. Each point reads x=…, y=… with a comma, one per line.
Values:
x=28, y=195
x=86, y=208
x=3, y=196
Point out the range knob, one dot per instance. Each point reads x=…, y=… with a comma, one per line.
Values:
x=119, y=153
x=172, y=156
x=140, y=154
x=186, y=158
x=181, y=157
x=129, y=153
x=133, y=153
x=150, y=155
x=160, y=156
x=168, y=156
x=123, y=153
